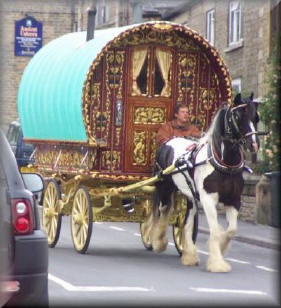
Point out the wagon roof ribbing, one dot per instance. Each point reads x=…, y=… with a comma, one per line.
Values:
x=51, y=89
x=50, y=92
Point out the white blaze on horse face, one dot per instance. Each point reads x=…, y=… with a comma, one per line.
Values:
x=222, y=150
x=253, y=137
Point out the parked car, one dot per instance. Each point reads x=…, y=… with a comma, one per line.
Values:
x=23, y=150
x=24, y=252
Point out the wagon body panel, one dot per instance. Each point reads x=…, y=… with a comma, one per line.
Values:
x=95, y=106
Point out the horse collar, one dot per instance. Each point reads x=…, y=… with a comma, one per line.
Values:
x=220, y=165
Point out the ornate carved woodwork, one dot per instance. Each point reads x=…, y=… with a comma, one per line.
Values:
x=131, y=89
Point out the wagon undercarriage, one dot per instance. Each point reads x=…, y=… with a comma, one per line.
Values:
x=86, y=201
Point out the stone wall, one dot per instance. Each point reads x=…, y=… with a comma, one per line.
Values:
x=248, y=210
x=58, y=18
x=247, y=61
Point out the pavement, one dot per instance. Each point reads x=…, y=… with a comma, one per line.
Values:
x=247, y=232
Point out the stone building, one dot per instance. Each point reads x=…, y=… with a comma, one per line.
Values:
x=57, y=17
x=241, y=30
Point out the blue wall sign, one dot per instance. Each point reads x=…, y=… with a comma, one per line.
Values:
x=28, y=36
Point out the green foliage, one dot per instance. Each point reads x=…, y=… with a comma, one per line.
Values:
x=270, y=112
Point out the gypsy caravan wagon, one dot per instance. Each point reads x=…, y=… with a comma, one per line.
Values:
x=92, y=110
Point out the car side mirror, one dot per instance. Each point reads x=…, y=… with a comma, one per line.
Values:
x=33, y=182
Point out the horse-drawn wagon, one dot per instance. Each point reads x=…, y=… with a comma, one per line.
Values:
x=92, y=110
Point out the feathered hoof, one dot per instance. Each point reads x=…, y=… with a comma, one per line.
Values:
x=216, y=266
x=190, y=259
x=159, y=246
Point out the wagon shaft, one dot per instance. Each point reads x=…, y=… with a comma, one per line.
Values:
x=145, y=184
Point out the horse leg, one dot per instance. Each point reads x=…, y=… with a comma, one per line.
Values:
x=160, y=225
x=231, y=216
x=189, y=254
x=215, y=262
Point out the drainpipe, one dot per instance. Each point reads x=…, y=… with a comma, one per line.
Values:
x=91, y=23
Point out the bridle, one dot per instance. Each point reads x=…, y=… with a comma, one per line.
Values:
x=232, y=131
x=233, y=136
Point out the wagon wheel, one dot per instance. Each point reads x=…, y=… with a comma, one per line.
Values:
x=51, y=217
x=81, y=220
x=145, y=230
x=179, y=235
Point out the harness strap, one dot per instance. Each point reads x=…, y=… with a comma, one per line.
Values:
x=220, y=165
x=194, y=192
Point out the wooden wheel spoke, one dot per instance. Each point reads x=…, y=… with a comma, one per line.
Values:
x=81, y=221
x=51, y=215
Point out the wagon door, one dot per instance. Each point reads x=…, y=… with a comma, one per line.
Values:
x=149, y=103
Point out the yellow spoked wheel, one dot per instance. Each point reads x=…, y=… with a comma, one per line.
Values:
x=179, y=235
x=145, y=230
x=51, y=217
x=81, y=220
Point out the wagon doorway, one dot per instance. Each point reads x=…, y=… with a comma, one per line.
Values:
x=149, y=103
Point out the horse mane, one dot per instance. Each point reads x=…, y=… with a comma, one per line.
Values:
x=216, y=130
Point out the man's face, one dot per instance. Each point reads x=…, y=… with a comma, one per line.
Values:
x=182, y=115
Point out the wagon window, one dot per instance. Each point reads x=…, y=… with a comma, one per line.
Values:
x=162, y=78
x=159, y=82
x=139, y=71
x=151, y=72
x=142, y=78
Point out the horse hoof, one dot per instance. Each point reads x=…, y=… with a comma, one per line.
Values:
x=189, y=260
x=159, y=246
x=218, y=266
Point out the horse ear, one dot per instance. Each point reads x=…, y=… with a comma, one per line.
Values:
x=237, y=99
x=252, y=96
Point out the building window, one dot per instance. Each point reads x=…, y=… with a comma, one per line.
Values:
x=102, y=14
x=236, y=86
x=234, y=22
x=210, y=31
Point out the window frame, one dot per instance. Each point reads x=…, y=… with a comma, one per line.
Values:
x=235, y=23
x=237, y=84
x=210, y=26
x=102, y=12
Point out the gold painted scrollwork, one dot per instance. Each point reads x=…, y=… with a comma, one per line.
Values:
x=187, y=73
x=69, y=159
x=145, y=115
x=115, y=60
x=111, y=160
x=207, y=100
x=139, y=152
x=152, y=147
x=117, y=136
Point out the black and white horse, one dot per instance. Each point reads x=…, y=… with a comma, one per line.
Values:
x=215, y=176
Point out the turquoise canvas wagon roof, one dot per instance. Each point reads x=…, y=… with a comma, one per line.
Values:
x=50, y=91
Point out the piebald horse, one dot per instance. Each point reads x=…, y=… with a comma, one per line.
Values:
x=210, y=174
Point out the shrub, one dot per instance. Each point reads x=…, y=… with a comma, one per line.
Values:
x=270, y=112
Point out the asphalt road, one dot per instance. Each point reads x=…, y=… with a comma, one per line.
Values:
x=117, y=271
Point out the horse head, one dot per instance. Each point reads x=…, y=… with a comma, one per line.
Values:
x=241, y=122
